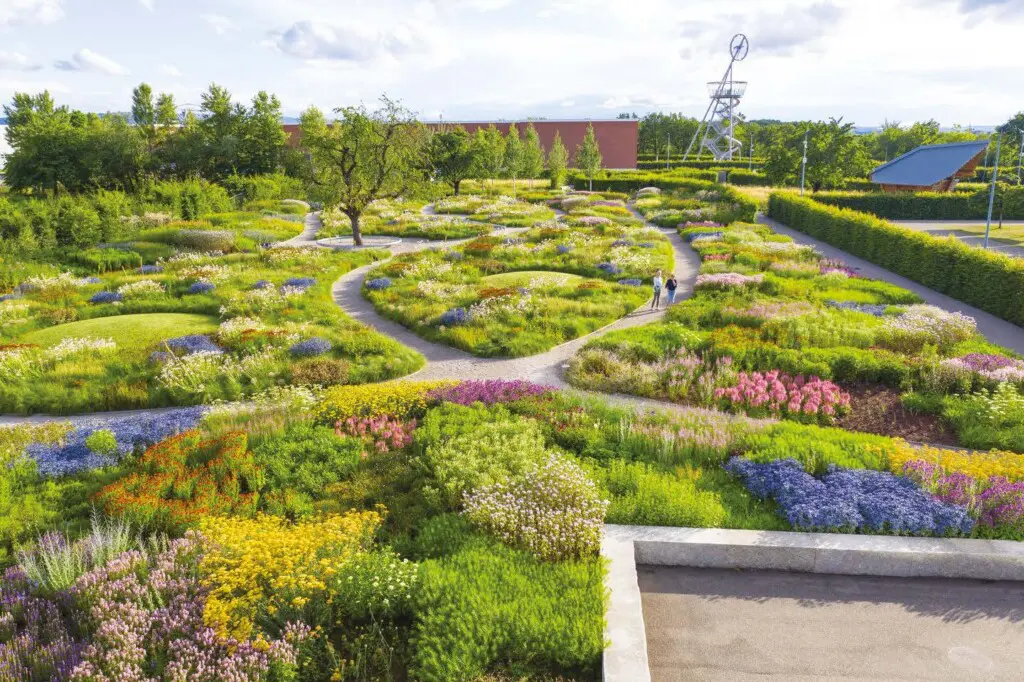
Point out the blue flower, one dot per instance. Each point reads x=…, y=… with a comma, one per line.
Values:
x=453, y=317
x=878, y=310
x=850, y=500
x=9, y=297
x=631, y=282
x=379, y=284
x=201, y=288
x=311, y=347
x=133, y=435
x=610, y=268
x=690, y=236
x=646, y=245
x=563, y=248
x=263, y=284
x=149, y=270
x=92, y=280
x=193, y=343
x=622, y=242
x=453, y=255
x=106, y=297
x=299, y=282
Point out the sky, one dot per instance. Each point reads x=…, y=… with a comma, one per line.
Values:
x=957, y=61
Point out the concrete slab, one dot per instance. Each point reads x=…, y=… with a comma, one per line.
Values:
x=713, y=624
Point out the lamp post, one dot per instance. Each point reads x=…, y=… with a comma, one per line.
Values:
x=668, y=151
x=803, y=164
x=1020, y=155
x=750, y=167
x=992, y=189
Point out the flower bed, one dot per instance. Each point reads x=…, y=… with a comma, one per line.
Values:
x=457, y=299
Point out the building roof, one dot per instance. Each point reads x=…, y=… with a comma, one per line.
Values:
x=928, y=164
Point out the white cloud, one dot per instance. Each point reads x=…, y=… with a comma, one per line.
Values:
x=219, y=23
x=314, y=41
x=172, y=71
x=773, y=32
x=87, y=60
x=16, y=61
x=148, y=4
x=30, y=11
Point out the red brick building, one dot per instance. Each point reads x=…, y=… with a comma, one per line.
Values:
x=616, y=138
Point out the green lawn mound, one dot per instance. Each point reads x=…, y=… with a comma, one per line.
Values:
x=129, y=332
x=515, y=279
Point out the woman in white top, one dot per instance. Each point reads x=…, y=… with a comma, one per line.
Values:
x=657, y=291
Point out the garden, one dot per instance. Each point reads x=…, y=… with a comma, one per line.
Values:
x=527, y=292
x=215, y=317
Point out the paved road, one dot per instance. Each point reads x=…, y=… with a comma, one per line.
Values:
x=997, y=330
x=709, y=624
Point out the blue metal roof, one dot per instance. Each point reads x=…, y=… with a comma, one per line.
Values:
x=927, y=165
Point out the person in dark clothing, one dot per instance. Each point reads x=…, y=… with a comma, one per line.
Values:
x=670, y=286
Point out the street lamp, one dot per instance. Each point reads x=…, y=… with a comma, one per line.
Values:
x=992, y=189
x=803, y=163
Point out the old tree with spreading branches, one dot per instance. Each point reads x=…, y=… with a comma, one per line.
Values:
x=362, y=156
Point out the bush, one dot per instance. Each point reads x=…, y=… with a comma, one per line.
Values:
x=554, y=511
x=990, y=281
x=310, y=348
x=105, y=260
x=647, y=495
x=930, y=205
x=401, y=399
x=464, y=448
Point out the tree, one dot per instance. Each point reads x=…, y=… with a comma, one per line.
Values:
x=143, y=111
x=588, y=155
x=834, y=153
x=362, y=157
x=24, y=109
x=656, y=129
x=490, y=152
x=452, y=156
x=166, y=111
x=513, y=163
x=558, y=161
x=261, y=138
x=219, y=124
x=533, y=154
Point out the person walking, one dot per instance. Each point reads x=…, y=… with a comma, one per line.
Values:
x=671, y=284
x=657, y=291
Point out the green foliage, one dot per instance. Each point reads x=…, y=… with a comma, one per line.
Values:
x=300, y=464
x=588, y=155
x=102, y=442
x=1009, y=204
x=481, y=607
x=646, y=495
x=463, y=448
x=452, y=156
x=558, y=161
x=815, y=447
x=990, y=281
x=988, y=419
x=105, y=260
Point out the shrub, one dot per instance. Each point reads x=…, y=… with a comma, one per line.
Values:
x=922, y=325
x=992, y=282
x=463, y=448
x=378, y=284
x=182, y=479
x=106, y=260
x=401, y=399
x=989, y=419
x=320, y=372
x=553, y=511
x=995, y=502
x=310, y=348
x=929, y=205
x=201, y=288
x=488, y=392
x=817, y=448
x=383, y=433
x=850, y=500
x=34, y=642
x=267, y=563
x=647, y=495
x=990, y=464
x=102, y=442
x=55, y=562
x=454, y=317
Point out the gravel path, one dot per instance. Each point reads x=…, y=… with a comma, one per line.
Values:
x=312, y=225
x=995, y=329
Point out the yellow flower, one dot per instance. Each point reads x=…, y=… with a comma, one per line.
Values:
x=976, y=464
x=398, y=398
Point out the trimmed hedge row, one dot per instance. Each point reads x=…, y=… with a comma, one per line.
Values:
x=647, y=162
x=990, y=281
x=930, y=205
x=630, y=181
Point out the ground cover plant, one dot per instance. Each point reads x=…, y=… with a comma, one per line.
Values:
x=404, y=219
x=523, y=294
x=413, y=530
x=774, y=329
x=193, y=328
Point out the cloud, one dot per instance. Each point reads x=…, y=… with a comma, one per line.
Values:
x=148, y=4
x=87, y=60
x=1005, y=7
x=319, y=41
x=15, y=61
x=219, y=23
x=15, y=12
x=171, y=71
x=771, y=33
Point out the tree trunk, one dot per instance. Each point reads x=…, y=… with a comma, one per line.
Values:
x=357, y=236
x=591, y=184
x=455, y=186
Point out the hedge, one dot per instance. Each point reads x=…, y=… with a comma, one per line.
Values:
x=930, y=205
x=990, y=281
x=703, y=164
x=630, y=181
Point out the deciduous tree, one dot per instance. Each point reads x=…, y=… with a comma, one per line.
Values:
x=452, y=156
x=558, y=161
x=533, y=154
x=588, y=156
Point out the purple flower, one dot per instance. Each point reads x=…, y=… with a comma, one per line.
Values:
x=149, y=270
x=690, y=237
x=379, y=284
x=453, y=256
x=563, y=248
x=193, y=343
x=631, y=282
x=454, y=317
x=106, y=297
x=875, y=309
x=299, y=282
x=850, y=500
x=489, y=392
x=201, y=288
x=311, y=347
x=263, y=284
x=623, y=242
x=610, y=268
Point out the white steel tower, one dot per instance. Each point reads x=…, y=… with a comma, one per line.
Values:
x=717, y=128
